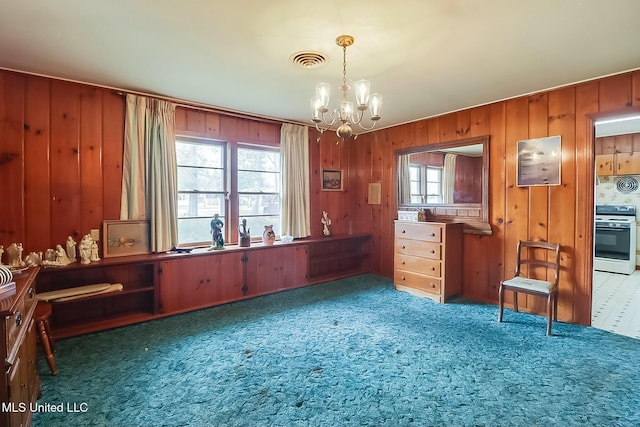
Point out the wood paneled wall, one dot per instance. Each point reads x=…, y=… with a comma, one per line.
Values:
x=60, y=159
x=562, y=214
x=61, y=152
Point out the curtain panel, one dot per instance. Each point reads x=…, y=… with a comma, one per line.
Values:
x=149, y=170
x=295, y=211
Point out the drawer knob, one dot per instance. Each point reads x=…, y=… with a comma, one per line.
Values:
x=433, y=234
x=402, y=277
x=403, y=231
x=433, y=251
x=433, y=268
x=404, y=247
x=18, y=318
x=433, y=285
x=32, y=293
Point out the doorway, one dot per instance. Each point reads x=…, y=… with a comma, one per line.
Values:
x=615, y=299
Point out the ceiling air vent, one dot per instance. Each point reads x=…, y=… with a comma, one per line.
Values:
x=308, y=59
x=627, y=184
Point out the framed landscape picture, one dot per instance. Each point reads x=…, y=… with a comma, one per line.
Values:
x=122, y=238
x=331, y=180
x=539, y=161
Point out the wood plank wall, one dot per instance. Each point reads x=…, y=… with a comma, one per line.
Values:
x=562, y=214
x=61, y=152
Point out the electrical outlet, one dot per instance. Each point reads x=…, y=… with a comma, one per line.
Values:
x=95, y=234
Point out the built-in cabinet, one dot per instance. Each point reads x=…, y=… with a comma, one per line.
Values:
x=428, y=259
x=618, y=155
x=20, y=384
x=164, y=284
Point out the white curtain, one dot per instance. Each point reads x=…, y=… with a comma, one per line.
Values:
x=404, y=183
x=149, y=171
x=294, y=213
x=449, y=178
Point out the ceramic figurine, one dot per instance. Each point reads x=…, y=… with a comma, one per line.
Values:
x=33, y=259
x=326, y=224
x=94, y=251
x=268, y=236
x=217, y=239
x=61, y=256
x=245, y=234
x=71, y=249
x=14, y=255
x=85, y=249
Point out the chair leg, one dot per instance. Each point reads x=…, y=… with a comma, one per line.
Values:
x=515, y=301
x=52, y=342
x=500, y=302
x=550, y=305
x=47, y=348
x=555, y=307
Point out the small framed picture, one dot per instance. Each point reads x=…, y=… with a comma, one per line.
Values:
x=123, y=238
x=331, y=180
x=539, y=161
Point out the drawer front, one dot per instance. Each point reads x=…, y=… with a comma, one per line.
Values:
x=419, y=231
x=15, y=323
x=427, y=266
x=418, y=248
x=417, y=281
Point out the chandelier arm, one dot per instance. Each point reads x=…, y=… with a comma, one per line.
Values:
x=373, y=124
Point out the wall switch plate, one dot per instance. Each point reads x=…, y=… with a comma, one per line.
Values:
x=95, y=234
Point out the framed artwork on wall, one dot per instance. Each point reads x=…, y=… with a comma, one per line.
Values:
x=123, y=238
x=332, y=180
x=539, y=161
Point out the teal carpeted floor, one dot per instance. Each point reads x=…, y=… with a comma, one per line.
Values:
x=346, y=353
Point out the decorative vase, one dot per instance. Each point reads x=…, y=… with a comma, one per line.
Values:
x=268, y=236
x=245, y=241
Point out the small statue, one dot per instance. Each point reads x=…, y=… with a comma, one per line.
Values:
x=61, y=256
x=245, y=234
x=268, y=236
x=85, y=249
x=33, y=259
x=94, y=251
x=326, y=223
x=71, y=249
x=217, y=239
x=14, y=255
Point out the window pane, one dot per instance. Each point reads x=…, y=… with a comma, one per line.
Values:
x=200, y=179
x=433, y=188
x=195, y=230
x=200, y=205
x=258, y=160
x=434, y=199
x=414, y=173
x=259, y=204
x=267, y=182
x=433, y=174
x=415, y=188
x=199, y=154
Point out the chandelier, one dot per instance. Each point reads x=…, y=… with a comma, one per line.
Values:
x=346, y=115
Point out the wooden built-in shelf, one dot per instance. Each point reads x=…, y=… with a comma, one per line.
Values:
x=158, y=285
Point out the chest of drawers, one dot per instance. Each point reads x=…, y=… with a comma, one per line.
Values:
x=19, y=382
x=427, y=259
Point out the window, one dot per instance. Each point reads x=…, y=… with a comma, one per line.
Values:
x=201, y=188
x=434, y=185
x=204, y=188
x=259, y=187
x=425, y=177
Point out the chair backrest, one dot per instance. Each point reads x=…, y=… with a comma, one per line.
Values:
x=531, y=260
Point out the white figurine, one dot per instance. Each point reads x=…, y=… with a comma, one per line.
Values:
x=33, y=259
x=326, y=223
x=71, y=249
x=14, y=255
x=61, y=256
x=85, y=249
x=94, y=251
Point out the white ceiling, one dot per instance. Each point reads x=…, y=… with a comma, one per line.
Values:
x=427, y=57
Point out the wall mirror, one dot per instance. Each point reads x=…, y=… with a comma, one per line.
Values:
x=450, y=181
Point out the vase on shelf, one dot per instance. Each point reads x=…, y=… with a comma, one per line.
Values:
x=268, y=236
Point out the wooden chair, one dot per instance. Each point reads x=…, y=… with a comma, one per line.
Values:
x=41, y=316
x=522, y=284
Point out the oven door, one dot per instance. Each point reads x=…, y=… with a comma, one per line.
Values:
x=613, y=242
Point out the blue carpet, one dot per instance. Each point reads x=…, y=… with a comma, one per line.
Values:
x=352, y=352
